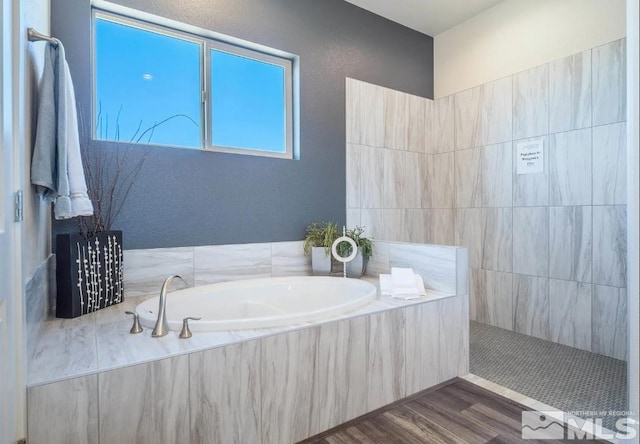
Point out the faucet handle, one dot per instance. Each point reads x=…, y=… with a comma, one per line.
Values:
x=186, y=333
x=135, y=328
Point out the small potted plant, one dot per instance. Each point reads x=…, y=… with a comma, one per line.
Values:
x=318, y=241
x=358, y=266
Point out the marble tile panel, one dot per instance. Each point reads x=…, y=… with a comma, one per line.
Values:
x=477, y=284
x=395, y=226
x=570, y=168
x=403, y=173
x=453, y=314
x=88, y=320
x=145, y=403
x=443, y=129
x=116, y=313
x=385, y=342
x=468, y=178
x=414, y=177
x=379, y=261
x=570, y=313
x=76, y=344
x=354, y=174
x=570, y=93
x=462, y=272
x=221, y=263
x=416, y=226
x=419, y=125
x=610, y=164
x=225, y=394
x=288, y=259
x=422, y=347
x=497, y=179
x=493, y=300
x=496, y=111
x=373, y=221
x=36, y=294
x=338, y=392
x=531, y=190
x=438, y=184
x=497, y=240
x=440, y=226
x=118, y=348
x=287, y=375
x=609, y=83
x=570, y=241
x=468, y=118
x=609, y=321
x=365, y=114
x=531, y=306
x=435, y=264
x=469, y=232
x=64, y=412
x=531, y=102
x=373, y=177
x=531, y=241
x=610, y=245
x=352, y=126
x=145, y=270
x=396, y=119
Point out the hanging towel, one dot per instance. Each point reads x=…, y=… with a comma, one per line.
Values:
x=56, y=165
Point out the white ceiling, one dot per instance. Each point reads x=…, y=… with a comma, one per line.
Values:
x=430, y=17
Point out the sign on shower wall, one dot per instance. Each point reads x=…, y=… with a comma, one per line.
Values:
x=530, y=156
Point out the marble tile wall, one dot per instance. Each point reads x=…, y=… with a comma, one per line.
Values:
x=38, y=294
x=400, y=170
x=280, y=388
x=76, y=412
x=560, y=232
x=156, y=407
x=145, y=270
x=537, y=243
x=442, y=268
x=224, y=394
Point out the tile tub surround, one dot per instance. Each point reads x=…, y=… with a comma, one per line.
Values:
x=101, y=341
x=270, y=385
x=524, y=232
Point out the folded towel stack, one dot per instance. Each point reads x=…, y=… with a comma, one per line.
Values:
x=402, y=283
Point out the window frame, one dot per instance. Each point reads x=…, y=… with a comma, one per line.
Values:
x=207, y=44
x=287, y=64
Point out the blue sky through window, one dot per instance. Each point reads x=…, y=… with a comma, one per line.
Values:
x=247, y=103
x=146, y=78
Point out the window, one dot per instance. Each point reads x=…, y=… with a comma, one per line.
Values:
x=160, y=86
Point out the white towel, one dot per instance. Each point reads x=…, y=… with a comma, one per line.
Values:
x=56, y=165
x=414, y=292
x=403, y=280
x=80, y=203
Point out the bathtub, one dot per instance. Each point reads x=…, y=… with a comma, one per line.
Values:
x=260, y=303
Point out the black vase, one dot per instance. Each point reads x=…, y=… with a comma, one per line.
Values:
x=89, y=273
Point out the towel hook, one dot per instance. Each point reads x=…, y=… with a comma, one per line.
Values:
x=35, y=36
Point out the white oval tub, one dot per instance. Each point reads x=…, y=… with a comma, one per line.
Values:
x=260, y=303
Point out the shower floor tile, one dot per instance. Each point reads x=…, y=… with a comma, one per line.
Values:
x=564, y=377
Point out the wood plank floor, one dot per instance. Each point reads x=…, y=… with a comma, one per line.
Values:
x=461, y=412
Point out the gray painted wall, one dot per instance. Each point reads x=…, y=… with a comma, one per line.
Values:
x=189, y=197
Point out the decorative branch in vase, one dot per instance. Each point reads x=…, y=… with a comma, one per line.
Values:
x=89, y=265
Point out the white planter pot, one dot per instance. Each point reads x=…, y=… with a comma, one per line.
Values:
x=320, y=262
x=357, y=267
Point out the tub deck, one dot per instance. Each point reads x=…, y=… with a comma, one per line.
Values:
x=100, y=341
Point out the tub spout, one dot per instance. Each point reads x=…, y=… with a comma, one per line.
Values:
x=162, y=326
